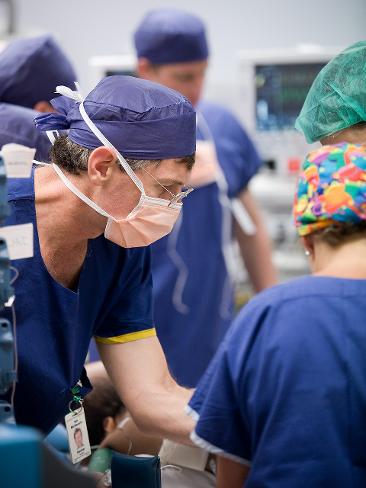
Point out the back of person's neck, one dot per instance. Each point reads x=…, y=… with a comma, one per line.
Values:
x=345, y=261
x=354, y=135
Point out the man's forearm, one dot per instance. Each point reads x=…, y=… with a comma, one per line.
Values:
x=155, y=401
x=162, y=413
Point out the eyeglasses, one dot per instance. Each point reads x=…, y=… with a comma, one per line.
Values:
x=176, y=198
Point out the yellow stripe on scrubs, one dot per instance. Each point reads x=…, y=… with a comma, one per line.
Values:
x=130, y=337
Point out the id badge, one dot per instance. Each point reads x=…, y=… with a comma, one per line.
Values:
x=18, y=160
x=19, y=239
x=77, y=434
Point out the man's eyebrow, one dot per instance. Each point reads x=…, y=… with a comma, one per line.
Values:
x=170, y=182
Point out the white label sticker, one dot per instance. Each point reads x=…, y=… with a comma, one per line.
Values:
x=77, y=433
x=18, y=160
x=19, y=239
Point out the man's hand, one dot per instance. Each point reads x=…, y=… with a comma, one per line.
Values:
x=139, y=373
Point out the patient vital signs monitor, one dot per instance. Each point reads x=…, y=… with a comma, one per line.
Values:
x=274, y=84
x=273, y=87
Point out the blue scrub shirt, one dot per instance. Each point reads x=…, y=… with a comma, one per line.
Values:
x=17, y=125
x=55, y=324
x=286, y=392
x=190, y=340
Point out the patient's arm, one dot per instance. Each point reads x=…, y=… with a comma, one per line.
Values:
x=230, y=474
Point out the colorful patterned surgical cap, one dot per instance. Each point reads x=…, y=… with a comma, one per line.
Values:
x=331, y=188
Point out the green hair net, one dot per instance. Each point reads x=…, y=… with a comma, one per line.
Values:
x=337, y=97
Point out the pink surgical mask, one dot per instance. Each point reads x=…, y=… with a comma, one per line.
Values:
x=148, y=222
x=151, y=219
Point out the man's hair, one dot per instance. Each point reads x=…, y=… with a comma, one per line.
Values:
x=338, y=234
x=73, y=158
x=100, y=403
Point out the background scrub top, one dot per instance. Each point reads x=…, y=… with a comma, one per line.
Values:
x=55, y=324
x=286, y=391
x=190, y=339
x=17, y=125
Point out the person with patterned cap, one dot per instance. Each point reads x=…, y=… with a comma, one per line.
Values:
x=115, y=185
x=195, y=263
x=283, y=402
x=335, y=106
x=30, y=69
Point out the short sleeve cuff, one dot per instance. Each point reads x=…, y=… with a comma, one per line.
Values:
x=130, y=337
x=208, y=446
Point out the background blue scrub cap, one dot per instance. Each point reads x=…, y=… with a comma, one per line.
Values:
x=30, y=69
x=171, y=36
x=142, y=119
x=17, y=125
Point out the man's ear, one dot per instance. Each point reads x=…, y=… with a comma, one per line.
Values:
x=101, y=163
x=144, y=69
x=44, y=107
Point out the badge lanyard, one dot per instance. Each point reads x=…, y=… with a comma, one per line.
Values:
x=77, y=431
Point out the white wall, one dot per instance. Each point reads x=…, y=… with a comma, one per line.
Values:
x=91, y=27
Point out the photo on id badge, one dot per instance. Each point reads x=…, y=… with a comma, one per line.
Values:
x=78, y=436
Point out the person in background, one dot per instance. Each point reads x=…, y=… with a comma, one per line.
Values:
x=30, y=70
x=192, y=267
x=283, y=401
x=335, y=107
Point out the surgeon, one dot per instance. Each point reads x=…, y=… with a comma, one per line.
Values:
x=194, y=266
x=335, y=107
x=30, y=69
x=115, y=185
x=283, y=402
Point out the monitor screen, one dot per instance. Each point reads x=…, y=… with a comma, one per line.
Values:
x=280, y=93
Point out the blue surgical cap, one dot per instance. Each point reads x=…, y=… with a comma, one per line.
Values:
x=17, y=125
x=142, y=119
x=30, y=69
x=171, y=36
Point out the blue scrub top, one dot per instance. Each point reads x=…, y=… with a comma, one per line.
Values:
x=54, y=324
x=17, y=125
x=286, y=391
x=190, y=339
